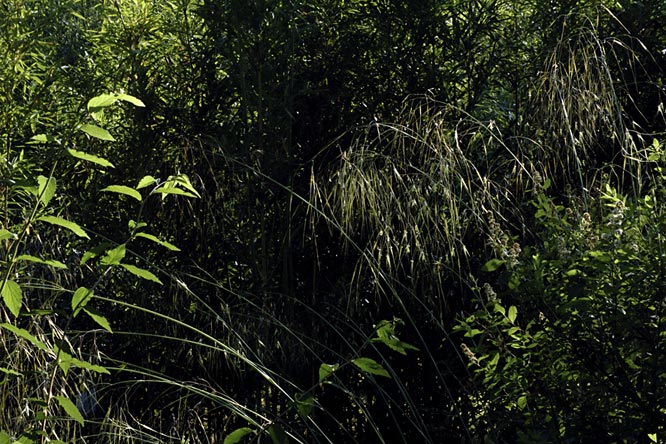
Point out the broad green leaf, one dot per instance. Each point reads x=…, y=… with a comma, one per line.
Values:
x=492, y=265
x=96, y=251
x=88, y=366
x=146, y=181
x=513, y=312
x=97, y=132
x=370, y=366
x=5, y=438
x=90, y=158
x=325, y=370
x=304, y=404
x=5, y=234
x=499, y=309
x=184, y=181
x=386, y=334
x=99, y=319
x=122, y=189
x=10, y=372
x=277, y=434
x=23, y=333
x=144, y=274
x=12, y=295
x=652, y=437
x=237, y=435
x=42, y=138
x=158, y=241
x=70, y=408
x=133, y=225
x=47, y=187
x=473, y=332
x=131, y=99
x=522, y=402
x=174, y=190
x=51, y=262
x=115, y=255
x=81, y=297
x=73, y=227
x=101, y=101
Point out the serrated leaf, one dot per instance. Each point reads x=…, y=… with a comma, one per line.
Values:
x=51, y=262
x=70, y=408
x=513, y=312
x=25, y=334
x=81, y=297
x=90, y=158
x=492, y=265
x=73, y=227
x=115, y=255
x=325, y=370
x=96, y=132
x=99, y=319
x=237, y=435
x=146, y=181
x=12, y=296
x=370, y=366
x=131, y=99
x=122, y=189
x=158, y=241
x=144, y=274
x=46, y=190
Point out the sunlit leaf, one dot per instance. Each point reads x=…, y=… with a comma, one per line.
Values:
x=101, y=101
x=115, y=255
x=90, y=158
x=99, y=319
x=122, y=189
x=5, y=234
x=51, y=262
x=73, y=227
x=237, y=435
x=70, y=408
x=158, y=241
x=47, y=187
x=325, y=370
x=97, y=132
x=144, y=274
x=81, y=297
x=10, y=372
x=25, y=334
x=370, y=366
x=131, y=99
x=146, y=181
x=513, y=312
x=174, y=190
x=12, y=296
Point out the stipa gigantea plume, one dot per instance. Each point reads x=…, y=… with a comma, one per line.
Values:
x=416, y=194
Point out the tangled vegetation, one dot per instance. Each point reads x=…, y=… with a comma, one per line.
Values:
x=327, y=221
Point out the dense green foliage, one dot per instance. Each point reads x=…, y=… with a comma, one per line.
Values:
x=332, y=221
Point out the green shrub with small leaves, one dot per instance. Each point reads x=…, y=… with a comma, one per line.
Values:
x=567, y=342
